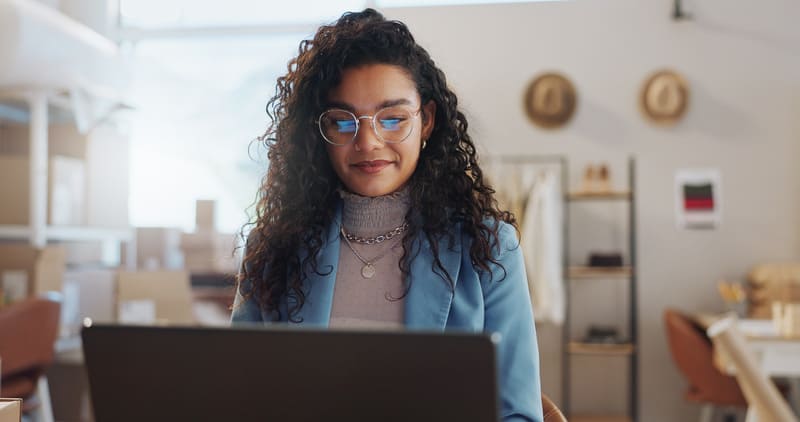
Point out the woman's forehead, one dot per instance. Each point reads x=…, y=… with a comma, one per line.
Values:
x=374, y=86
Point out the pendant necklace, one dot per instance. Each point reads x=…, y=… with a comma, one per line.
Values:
x=368, y=269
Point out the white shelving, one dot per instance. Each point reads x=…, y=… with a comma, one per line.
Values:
x=37, y=232
x=75, y=234
x=55, y=63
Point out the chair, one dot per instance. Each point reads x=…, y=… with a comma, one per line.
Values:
x=28, y=331
x=551, y=412
x=692, y=352
x=765, y=402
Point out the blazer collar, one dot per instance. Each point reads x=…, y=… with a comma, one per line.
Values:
x=316, y=310
x=429, y=297
x=430, y=293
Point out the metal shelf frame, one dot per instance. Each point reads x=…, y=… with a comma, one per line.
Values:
x=628, y=273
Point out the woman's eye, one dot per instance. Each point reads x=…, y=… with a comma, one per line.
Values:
x=391, y=123
x=346, y=126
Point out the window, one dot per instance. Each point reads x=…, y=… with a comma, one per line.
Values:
x=200, y=97
x=200, y=104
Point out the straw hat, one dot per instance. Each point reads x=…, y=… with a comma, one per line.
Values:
x=550, y=100
x=664, y=97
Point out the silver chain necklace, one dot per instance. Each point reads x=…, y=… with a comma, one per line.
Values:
x=368, y=270
x=377, y=239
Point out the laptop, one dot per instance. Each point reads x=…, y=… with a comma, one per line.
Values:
x=148, y=373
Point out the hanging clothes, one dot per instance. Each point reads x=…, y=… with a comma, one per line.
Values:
x=542, y=240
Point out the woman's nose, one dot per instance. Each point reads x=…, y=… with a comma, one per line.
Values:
x=366, y=139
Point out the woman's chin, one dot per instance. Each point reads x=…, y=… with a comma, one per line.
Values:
x=372, y=191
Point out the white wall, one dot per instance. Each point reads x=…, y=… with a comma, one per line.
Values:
x=742, y=61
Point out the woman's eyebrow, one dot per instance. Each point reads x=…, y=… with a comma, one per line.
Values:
x=392, y=103
x=387, y=103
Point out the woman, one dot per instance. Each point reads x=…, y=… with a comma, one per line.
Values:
x=374, y=211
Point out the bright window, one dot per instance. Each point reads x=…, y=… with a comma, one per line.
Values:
x=200, y=98
x=200, y=103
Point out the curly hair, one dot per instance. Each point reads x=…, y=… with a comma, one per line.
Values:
x=298, y=196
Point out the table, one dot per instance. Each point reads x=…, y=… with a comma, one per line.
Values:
x=778, y=357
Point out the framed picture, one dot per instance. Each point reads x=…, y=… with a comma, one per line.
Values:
x=698, y=198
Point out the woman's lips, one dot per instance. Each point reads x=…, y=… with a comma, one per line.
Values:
x=371, y=167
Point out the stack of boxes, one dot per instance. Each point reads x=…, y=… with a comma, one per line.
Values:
x=66, y=185
x=88, y=188
x=207, y=251
x=769, y=283
x=88, y=179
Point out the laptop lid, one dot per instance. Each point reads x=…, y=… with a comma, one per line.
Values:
x=141, y=373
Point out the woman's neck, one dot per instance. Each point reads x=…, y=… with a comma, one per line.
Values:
x=365, y=216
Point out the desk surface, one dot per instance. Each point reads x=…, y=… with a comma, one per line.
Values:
x=753, y=329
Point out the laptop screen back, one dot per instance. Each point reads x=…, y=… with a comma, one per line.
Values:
x=139, y=373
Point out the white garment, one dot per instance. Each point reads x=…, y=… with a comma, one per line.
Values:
x=542, y=240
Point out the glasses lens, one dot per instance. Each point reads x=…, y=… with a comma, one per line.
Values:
x=338, y=126
x=394, y=124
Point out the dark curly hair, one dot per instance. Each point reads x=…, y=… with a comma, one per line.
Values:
x=298, y=196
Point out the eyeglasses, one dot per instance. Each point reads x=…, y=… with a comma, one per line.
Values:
x=391, y=125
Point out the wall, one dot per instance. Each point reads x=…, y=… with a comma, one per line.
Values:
x=742, y=62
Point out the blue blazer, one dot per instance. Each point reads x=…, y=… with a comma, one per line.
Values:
x=479, y=303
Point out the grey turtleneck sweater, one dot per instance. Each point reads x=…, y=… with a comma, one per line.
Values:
x=360, y=302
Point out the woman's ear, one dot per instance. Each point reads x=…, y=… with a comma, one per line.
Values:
x=428, y=119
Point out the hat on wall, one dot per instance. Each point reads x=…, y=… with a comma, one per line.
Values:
x=550, y=100
x=664, y=97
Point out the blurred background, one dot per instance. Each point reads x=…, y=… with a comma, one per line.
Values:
x=649, y=149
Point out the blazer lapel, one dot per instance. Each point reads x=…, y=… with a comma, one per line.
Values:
x=319, y=287
x=430, y=295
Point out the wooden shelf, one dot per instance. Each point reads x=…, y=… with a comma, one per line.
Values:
x=599, y=196
x=620, y=349
x=578, y=272
x=597, y=418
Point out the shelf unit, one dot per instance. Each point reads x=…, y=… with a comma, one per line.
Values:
x=575, y=276
x=37, y=233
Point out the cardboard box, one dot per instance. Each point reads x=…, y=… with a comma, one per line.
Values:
x=208, y=240
x=66, y=189
x=105, y=152
x=43, y=268
x=10, y=410
x=205, y=215
x=64, y=140
x=205, y=261
x=168, y=292
x=67, y=192
x=158, y=248
x=14, y=188
x=208, y=252
x=83, y=254
x=97, y=291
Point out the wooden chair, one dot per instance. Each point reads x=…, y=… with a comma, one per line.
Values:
x=765, y=403
x=551, y=412
x=28, y=331
x=693, y=354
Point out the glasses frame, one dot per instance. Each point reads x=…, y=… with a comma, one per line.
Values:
x=372, y=120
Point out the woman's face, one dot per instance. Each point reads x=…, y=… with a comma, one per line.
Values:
x=368, y=166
